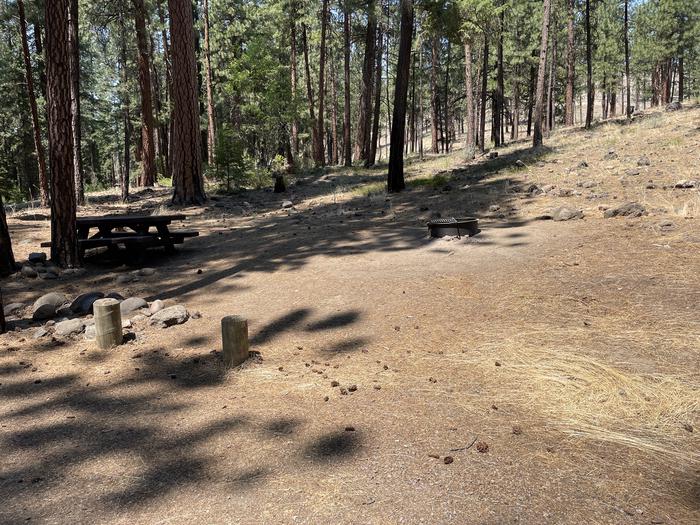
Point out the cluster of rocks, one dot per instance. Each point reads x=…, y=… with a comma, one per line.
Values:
x=37, y=266
x=65, y=318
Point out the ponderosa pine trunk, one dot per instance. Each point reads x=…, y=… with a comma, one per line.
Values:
x=364, y=116
x=125, y=172
x=59, y=81
x=628, y=107
x=590, y=93
x=484, y=86
x=74, y=44
x=396, y=181
x=498, y=98
x=309, y=90
x=209, y=77
x=31, y=96
x=7, y=258
x=446, y=113
x=148, y=156
x=319, y=157
x=469, y=146
x=167, y=126
x=347, y=131
x=434, y=122
x=570, y=65
x=186, y=153
x=539, y=94
x=371, y=160
x=334, y=111
x=293, y=75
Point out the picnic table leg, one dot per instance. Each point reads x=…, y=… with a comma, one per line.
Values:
x=164, y=233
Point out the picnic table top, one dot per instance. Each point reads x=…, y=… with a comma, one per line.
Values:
x=119, y=220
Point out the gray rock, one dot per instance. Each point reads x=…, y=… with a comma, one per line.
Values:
x=138, y=318
x=49, y=274
x=12, y=308
x=610, y=155
x=494, y=207
x=69, y=327
x=674, y=106
x=643, y=161
x=287, y=204
x=126, y=323
x=170, y=316
x=631, y=209
x=566, y=214
x=156, y=306
x=632, y=172
x=131, y=304
x=37, y=257
x=83, y=303
x=124, y=279
x=64, y=311
x=582, y=164
x=146, y=272
x=45, y=307
x=686, y=184
x=114, y=295
x=90, y=333
x=39, y=333
x=29, y=272
x=589, y=184
x=520, y=164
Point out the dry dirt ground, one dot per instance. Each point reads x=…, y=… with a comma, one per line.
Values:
x=540, y=372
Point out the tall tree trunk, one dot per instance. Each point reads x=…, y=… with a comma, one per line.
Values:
x=681, y=79
x=434, y=55
x=421, y=114
x=550, y=87
x=364, y=118
x=537, y=136
x=515, y=131
x=499, y=95
x=211, y=115
x=293, y=74
x=59, y=81
x=7, y=258
x=589, y=69
x=125, y=172
x=395, y=181
x=334, y=111
x=38, y=145
x=412, y=117
x=186, y=153
x=74, y=44
x=347, y=132
x=570, y=65
x=484, y=86
x=447, y=103
x=469, y=146
x=309, y=91
x=319, y=151
x=41, y=66
x=148, y=176
x=377, y=103
x=168, y=124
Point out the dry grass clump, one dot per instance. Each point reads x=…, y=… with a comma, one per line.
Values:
x=586, y=398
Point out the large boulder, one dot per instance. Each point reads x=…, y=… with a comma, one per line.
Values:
x=45, y=307
x=83, y=303
x=170, y=316
x=132, y=304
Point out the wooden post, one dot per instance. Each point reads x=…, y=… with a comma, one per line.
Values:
x=234, y=335
x=108, y=323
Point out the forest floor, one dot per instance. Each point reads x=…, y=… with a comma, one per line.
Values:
x=540, y=372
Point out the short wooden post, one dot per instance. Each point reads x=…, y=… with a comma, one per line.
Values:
x=108, y=323
x=234, y=335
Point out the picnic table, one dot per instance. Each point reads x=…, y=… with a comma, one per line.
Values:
x=133, y=232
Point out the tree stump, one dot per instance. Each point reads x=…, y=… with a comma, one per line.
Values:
x=108, y=323
x=234, y=335
x=280, y=184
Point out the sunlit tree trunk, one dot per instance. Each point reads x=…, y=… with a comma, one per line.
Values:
x=539, y=95
x=148, y=176
x=293, y=75
x=74, y=44
x=319, y=156
x=377, y=103
x=347, y=132
x=589, y=68
x=309, y=90
x=570, y=65
x=211, y=114
x=364, y=118
x=434, y=55
x=484, y=86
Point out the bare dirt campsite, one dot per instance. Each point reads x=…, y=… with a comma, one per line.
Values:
x=542, y=371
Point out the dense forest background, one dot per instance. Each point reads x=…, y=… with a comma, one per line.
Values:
x=287, y=85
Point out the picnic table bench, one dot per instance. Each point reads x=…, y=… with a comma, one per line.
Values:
x=133, y=232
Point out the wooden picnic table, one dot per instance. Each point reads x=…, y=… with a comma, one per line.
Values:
x=133, y=232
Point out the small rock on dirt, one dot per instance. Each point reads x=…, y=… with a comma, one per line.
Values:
x=582, y=164
x=170, y=316
x=447, y=460
x=686, y=184
x=674, y=106
x=287, y=204
x=482, y=447
x=12, y=308
x=146, y=272
x=631, y=209
x=90, y=333
x=29, y=272
x=45, y=307
x=520, y=164
x=132, y=304
x=36, y=257
x=156, y=306
x=39, y=333
x=566, y=214
x=643, y=161
x=610, y=155
x=69, y=327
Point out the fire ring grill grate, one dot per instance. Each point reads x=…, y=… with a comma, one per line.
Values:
x=453, y=227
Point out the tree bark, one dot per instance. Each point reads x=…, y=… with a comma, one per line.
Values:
x=3, y=324
x=319, y=156
x=434, y=93
x=293, y=75
x=446, y=112
x=347, y=132
x=570, y=65
x=7, y=258
x=550, y=86
x=539, y=95
x=148, y=176
x=681, y=78
x=377, y=103
x=125, y=172
x=484, y=86
x=589, y=69
x=499, y=95
x=364, y=118
x=74, y=44
x=38, y=145
x=309, y=91
x=334, y=111
x=59, y=83
x=186, y=153
x=209, y=74
x=395, y=181
x=469, y=146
